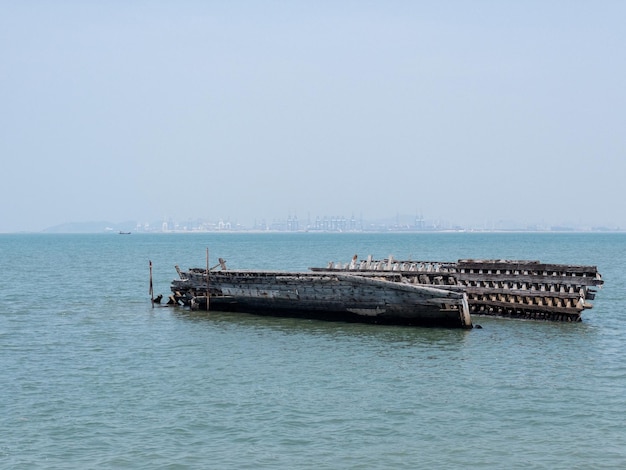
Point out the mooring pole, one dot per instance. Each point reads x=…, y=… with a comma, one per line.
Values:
x=151, y=288
x=207, y=278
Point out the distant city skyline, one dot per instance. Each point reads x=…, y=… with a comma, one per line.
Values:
x=321, y=223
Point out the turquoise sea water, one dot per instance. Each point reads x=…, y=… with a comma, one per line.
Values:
x=93, y=377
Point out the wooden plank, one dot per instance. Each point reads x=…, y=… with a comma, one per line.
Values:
x=523, y=292
x=530, y=266
x=525, y=307
x=529, y=279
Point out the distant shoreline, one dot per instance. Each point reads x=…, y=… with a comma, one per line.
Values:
x=326, y=232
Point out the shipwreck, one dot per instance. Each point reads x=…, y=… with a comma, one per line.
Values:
x=396, y=292
x=332, y=295
x=502, y=288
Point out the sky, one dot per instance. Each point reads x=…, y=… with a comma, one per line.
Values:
x=471, y=112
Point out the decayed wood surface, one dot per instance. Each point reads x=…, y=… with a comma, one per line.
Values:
x=326, y=295
x=506, y=288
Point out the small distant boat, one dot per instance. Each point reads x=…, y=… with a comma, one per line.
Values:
x=124, y=233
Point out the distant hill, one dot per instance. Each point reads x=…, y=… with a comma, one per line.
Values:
x=91, y=227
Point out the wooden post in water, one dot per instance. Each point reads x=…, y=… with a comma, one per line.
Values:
x=207, y=278
x=151, y=288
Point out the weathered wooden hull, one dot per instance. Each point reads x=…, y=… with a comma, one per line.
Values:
x=324, y=296
x=503, y=288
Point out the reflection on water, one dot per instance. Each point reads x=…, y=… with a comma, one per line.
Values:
x=305, y=327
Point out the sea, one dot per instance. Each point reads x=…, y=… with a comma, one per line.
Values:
x=93, y=377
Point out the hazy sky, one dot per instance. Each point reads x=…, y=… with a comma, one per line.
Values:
x=467, y=111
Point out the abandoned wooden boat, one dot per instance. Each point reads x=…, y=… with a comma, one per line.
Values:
x=502, y=288
x=322, y=295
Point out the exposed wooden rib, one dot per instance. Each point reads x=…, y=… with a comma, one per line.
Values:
x=510, y=288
